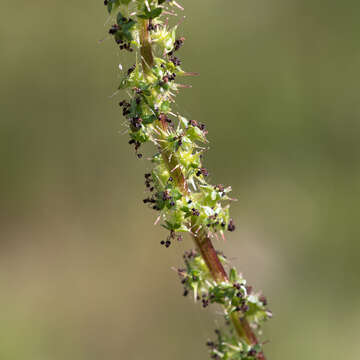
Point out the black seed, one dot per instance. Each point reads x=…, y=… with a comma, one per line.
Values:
x=231, y=225
x=175, y=61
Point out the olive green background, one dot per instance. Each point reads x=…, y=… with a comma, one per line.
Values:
x=82, y=273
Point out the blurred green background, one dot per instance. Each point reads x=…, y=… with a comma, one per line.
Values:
x=82, y=274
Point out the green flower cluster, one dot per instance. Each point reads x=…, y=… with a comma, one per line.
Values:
x=235, y=295
x=237, y=299
x=228, y=347
x=180, y=142
x=177, y=184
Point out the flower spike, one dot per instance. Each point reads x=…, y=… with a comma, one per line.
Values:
x=177, y=185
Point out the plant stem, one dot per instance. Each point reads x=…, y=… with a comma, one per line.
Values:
x=200, y=237
x=147, y=57
x=209, y=254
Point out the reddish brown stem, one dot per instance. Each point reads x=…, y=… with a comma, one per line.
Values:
x=210, y=256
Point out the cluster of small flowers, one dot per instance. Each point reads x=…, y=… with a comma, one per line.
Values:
x=123, y=32
x=150, y=118
x=227, y=346
x=235, y=295
x=182, y=212
x=177, y=184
